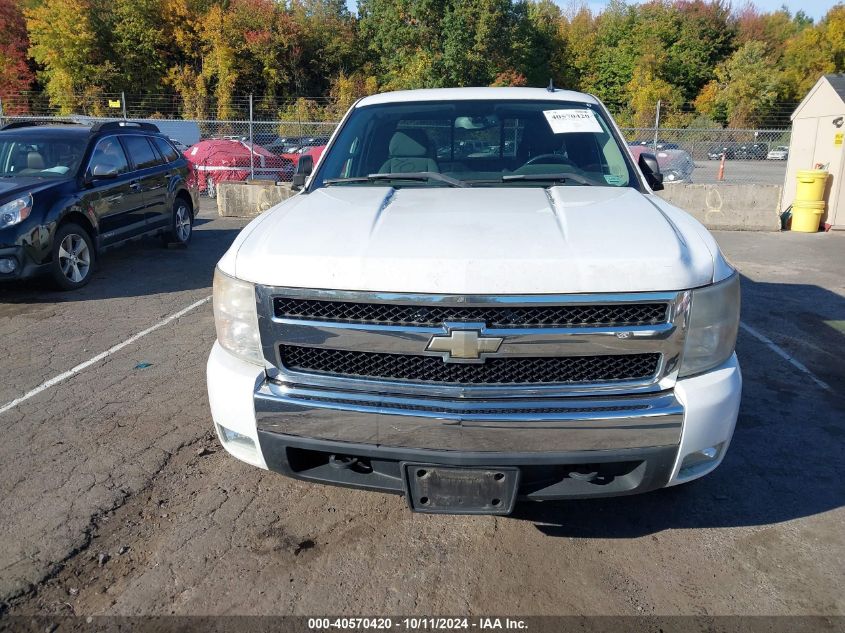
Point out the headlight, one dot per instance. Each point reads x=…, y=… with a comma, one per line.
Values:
x=15, y=212
x=713, y=323
x=235, y=317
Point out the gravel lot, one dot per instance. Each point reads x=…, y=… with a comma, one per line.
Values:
x=117, y=498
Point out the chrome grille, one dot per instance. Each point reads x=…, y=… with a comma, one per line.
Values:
x=495, y=371
x=595, y=315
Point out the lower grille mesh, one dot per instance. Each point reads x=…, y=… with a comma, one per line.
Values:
x=432, y=369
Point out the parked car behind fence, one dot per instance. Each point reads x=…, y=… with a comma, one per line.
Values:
x=219, y=160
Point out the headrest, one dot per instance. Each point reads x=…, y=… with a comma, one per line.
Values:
x=34, y=160
x=409, y=143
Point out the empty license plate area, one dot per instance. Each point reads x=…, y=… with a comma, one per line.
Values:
x=455, y=490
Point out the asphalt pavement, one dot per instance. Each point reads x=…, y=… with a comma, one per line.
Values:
x=763, y=172
x=117, y=498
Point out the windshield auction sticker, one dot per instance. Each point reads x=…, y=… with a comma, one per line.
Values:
x=572, y=120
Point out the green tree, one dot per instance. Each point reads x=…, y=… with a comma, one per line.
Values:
x=182, y=31
x=747, y=88
x=645, y=89
x=542, y=45
x=702, y=35
x=67, y=41
x=610, y=66
x=220, y=59
x=346, y=90
x=329, y=44
x=580, y=34
x=138, y=42
x=813, y=52
x=403, y=40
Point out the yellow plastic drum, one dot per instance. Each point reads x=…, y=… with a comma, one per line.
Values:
x=811, y=183
x=806, y=216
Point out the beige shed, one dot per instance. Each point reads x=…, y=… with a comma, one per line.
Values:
x=818, y=131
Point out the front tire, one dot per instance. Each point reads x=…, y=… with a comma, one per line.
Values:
x=73, y=257
x=181, y=224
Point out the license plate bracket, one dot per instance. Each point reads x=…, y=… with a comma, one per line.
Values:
x=460, y=490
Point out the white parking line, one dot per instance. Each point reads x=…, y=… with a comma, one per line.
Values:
x=81, y=366
x=784, y=354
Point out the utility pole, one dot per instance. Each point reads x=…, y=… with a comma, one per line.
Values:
x=123, y=103
x=656, y=125
x=1, y=111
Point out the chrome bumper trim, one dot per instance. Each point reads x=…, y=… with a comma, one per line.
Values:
x=497, y=425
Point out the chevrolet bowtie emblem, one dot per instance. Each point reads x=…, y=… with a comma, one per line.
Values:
x=461, y=345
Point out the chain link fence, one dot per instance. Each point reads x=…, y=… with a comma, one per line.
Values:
x=282, y=130
x=750, y=156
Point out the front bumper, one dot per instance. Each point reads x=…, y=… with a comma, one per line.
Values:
x=25, y=268
x=634, y=443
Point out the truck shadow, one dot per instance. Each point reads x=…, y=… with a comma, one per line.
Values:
x=784, y=462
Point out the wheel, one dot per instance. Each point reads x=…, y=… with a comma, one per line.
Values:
x=73, y=257
x=181, y=224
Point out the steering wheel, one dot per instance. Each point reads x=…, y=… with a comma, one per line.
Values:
x=549, y=158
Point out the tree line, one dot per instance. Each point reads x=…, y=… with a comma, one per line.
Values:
x=707, y=64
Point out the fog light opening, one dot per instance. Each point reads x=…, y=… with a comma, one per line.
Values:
x=8, y=265
x=239, y=445
x=700, y=460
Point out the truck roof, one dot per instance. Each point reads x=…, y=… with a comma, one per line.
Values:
x=465, y=94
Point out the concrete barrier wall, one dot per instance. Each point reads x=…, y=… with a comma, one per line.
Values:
x=248, y=199
x=731, y=207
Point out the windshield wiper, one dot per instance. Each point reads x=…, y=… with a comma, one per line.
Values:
x=563, y=177
x=410, y=175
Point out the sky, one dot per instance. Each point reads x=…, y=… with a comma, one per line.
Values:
x=814, y=8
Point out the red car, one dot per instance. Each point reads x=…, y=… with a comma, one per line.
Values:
x=217, y=160
x=676, y=165
x=314, y=152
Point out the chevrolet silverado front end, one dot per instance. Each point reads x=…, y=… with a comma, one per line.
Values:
x=522, y=319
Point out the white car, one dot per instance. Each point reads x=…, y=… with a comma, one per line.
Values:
x=467, y=331
x=781, y=152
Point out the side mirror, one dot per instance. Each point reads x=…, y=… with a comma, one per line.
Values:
x=304, y=167
x=651, y=171
x=103, y=172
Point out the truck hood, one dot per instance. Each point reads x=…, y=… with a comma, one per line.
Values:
x=475, y=241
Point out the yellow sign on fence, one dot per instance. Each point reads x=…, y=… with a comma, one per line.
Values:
x=114, y=103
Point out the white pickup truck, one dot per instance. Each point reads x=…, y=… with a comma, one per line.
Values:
x=476, y=298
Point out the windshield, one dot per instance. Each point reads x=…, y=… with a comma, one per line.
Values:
x=480, y=143
x=40, y=157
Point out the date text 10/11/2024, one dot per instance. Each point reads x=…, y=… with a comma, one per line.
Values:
x=417, y=624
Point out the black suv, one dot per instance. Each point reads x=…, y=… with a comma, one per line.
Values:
x=69, y=191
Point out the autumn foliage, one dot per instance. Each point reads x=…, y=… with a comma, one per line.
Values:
x=701, y=60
